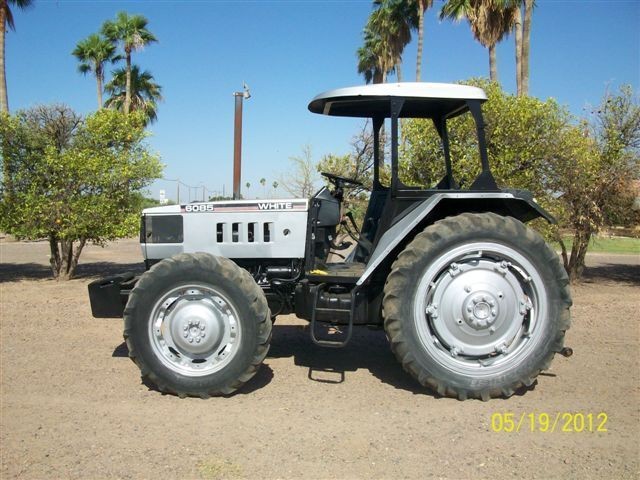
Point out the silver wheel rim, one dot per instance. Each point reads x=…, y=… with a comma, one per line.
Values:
x=480, y=308
x=194, y=330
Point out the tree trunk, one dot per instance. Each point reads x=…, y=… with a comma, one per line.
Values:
x=399, y=71
x=75, y=256
x=578, y=253
x=54, y=259
x=518, y=29
x=4, y=99
x=127, y=94
x=420, y=39
x=563, y=248
x=64, y=259
x=493, y=64
x=99, y=76
x=526, y=44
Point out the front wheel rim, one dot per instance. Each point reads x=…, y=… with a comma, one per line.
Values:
x=480, y=309
x=194, y=330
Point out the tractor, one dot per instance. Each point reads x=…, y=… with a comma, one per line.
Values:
x=474, y=303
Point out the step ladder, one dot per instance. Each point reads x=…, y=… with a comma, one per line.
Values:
x=351, y=311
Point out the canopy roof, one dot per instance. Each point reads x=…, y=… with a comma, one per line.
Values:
x=421, y=100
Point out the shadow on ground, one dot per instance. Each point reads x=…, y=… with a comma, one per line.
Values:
x=262, y=378
x=368, y=349
x=613, y=272
x=11, y=272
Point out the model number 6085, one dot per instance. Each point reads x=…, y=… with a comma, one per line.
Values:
x=198, y=208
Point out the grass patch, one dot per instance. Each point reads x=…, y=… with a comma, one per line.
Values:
x=215, y=469
x=604, y=244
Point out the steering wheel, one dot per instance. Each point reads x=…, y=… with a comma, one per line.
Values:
x=339, y=181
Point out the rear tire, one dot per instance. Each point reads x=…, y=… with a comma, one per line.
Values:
x=197, y=325
x=476, y=306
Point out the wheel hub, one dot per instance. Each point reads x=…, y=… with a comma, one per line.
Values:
x=196, y=325
x=481, y=310
x=474, y=307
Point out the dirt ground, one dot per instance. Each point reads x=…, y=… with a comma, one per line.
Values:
x=73, y=405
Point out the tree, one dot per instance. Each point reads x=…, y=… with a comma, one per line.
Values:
x=263, y=182
x=526, y=45
x=72, y=181
x=575, y=170
x=130, y=31
x=490, y=21
x=301, y=179
x=394, y=20
x=385, y=37
x=92, y=53
x=145, y=93
x=372, y=64
x=594, y=184
x=421, y=8
x=6, y=20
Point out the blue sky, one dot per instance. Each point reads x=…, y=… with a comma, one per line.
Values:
x=288, y=51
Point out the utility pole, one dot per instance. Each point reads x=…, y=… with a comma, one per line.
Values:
x=237, y=139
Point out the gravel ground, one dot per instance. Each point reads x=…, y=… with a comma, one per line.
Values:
x=73, y=405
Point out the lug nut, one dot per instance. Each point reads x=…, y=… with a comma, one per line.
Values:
x=190, y=339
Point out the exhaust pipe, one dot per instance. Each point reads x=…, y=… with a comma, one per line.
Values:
x=237, y=139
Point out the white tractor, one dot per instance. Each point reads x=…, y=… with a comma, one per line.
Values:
x=475, y=304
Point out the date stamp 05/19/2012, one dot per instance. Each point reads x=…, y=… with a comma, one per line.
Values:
x=564, y=422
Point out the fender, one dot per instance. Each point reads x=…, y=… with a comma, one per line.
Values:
x=516, y=203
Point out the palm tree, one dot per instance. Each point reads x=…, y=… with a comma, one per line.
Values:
x=490, y=21
x=368, y=59
x=394, y=20
x=145, y=93
x=131, y=32
x=92, y=53
x=263, y=182
x=526, y=43
x=6, y=19
x=421, y=7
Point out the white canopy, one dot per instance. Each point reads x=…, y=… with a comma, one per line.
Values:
x=421, y=100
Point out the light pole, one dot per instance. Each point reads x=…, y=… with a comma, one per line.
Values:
x=237, y=139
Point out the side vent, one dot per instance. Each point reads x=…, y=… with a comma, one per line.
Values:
x=267, y=232
x=236, y=232
x=239, y=232
x=251, y=232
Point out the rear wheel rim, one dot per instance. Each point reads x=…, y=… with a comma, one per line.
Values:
x=195, y=330
x=480, y=309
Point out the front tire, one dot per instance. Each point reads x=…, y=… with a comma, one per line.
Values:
x=197, y=325
x=476, y=306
